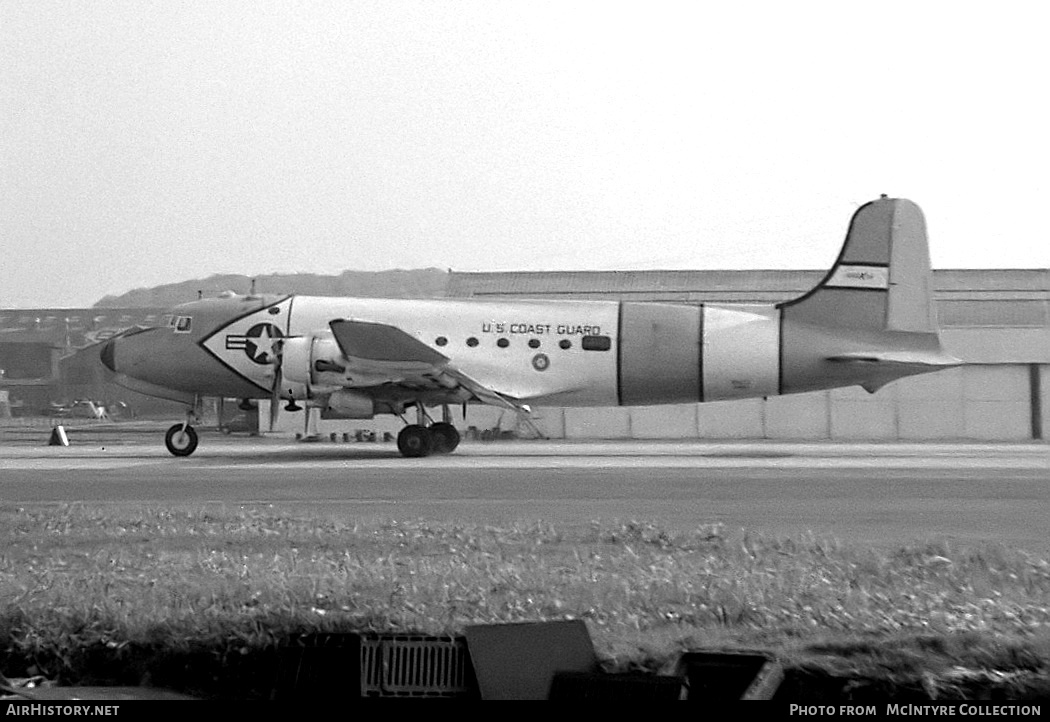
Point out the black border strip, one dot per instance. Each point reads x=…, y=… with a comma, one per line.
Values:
x=619, y=354
x=1035, y=385
x=780, y=351
x=854, y=288
x=700, y=355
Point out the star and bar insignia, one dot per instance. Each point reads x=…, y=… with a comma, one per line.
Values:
x=259, y=343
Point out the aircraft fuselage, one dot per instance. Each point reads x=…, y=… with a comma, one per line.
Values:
x=565, y=353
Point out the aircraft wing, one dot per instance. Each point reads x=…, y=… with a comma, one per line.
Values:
x=386, y=354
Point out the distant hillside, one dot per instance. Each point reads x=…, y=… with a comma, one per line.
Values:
x=421, y=283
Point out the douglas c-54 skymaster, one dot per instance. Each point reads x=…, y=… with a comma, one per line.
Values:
x=869, y=321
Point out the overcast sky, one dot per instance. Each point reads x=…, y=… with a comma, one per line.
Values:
x=150, y=142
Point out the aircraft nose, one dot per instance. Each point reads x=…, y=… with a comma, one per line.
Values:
x=134, y=353
x=159, y=362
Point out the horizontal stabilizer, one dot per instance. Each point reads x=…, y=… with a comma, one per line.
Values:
x=886, y=366
x=906, y=358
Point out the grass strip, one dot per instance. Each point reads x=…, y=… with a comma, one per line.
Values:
x=199, y=600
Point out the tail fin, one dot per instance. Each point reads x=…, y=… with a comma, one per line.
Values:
x=881, y=280
x=871, y=319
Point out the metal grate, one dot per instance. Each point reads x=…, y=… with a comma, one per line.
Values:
x=405, y=665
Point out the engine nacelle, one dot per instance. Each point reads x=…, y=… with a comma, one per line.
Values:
x=314, y=361
x=343, y=404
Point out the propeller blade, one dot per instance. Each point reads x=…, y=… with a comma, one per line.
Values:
x=275, y=395
x=275, y=399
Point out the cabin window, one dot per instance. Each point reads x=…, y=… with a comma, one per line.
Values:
x=472, y=342
x=596, y=343
x=565, y=344
x=441, y=341
x=503, y=343
x=534, y=343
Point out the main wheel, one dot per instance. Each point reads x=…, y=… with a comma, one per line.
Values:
x=414, y=441
x=445, y=437
x=181, y=443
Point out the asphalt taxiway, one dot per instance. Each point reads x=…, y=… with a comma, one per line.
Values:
x=876, y=494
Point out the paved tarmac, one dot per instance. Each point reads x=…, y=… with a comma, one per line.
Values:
x=871, y=494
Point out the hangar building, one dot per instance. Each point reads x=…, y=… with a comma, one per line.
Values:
x=48, y=359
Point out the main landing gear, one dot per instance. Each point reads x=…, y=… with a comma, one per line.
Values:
x=417, y=440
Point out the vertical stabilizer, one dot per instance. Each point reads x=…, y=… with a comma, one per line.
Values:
x=881, y=280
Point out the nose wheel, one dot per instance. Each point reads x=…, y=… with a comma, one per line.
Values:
x=181, y=440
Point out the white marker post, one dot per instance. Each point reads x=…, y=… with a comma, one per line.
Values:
x=58, y=437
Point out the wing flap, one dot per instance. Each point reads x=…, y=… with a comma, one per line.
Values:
x=483, y=393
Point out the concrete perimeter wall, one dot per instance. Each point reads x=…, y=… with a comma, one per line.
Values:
x=987, y=402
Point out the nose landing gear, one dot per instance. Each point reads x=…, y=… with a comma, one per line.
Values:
x=181, y=440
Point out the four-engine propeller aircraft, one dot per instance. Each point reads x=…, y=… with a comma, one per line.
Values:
x=869, y=321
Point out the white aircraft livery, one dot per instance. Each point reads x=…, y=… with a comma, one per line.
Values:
x=870, y=321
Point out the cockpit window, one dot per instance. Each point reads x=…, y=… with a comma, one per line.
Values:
x=181, y=324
